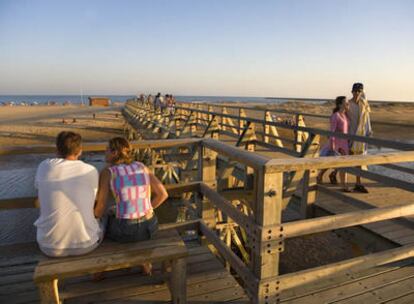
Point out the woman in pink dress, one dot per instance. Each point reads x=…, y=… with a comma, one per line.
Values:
x=338, y=146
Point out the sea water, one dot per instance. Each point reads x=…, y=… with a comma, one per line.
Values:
x=77, y=99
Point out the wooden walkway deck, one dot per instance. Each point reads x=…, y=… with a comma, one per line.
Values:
x=391, y=283
x=208, y=281
x=399, y=231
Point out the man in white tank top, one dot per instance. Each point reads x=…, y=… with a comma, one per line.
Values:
x=67, y=188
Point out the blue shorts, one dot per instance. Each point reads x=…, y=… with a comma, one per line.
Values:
x=126, y=230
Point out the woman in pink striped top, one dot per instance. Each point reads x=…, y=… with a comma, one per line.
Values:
x=135, y=192
x=337, y=146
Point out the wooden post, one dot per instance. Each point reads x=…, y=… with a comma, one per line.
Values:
x=266, y=127
x=48, y=291
x=268, y=214
x=248, y=137
x=178, y=281
x=207, y=174
x=308, y=195
x=272, y=130
x=223, y=118
x=301, y=186
x=300, y=135
x=242, y=114
x=210, y=110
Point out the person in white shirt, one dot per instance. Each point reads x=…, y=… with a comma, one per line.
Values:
x=67, y=189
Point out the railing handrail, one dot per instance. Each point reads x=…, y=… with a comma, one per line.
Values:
x=293, y=113
x=299, y=164
x=369, y=140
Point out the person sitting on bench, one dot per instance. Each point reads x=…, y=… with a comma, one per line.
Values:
x=136, y=192
x=66, y=192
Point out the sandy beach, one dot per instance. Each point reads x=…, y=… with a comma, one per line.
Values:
x=40, y=124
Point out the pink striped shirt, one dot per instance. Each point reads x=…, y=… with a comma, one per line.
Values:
x=130, y=185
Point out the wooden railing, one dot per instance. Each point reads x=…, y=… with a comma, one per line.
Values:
x=257, y=220
x=261, y=129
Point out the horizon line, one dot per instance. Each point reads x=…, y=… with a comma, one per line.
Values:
x=225, y=96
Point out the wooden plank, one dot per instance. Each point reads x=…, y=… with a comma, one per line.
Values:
x=178, y=281
x=49, y=293
x=18, y=287
x=201, y=266
x=227, y=207
x=349, y=219
x=337, y=282
x=404, y=298
x=383, y=293
x=131, y=255
x=389, y=181
x=16, y=278
x=292, y=164
x=355, y=264
x=208, y=292
x=399, y=168
x=207, y=281
x=251, y=159
x=21, y=297
x=235, y=262
x=353, y=288
x=108, y=247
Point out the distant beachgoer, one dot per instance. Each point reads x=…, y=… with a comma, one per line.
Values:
x=360, y=124
x=157, y=102
x=162, y=103
x=66, y=194
x=135, y=193
x=337, y=146
x=150, y=100
x=170, y=104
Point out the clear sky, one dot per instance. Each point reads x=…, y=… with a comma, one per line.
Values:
x=217, y=47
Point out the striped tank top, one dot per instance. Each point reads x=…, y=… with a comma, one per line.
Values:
x=130, y=185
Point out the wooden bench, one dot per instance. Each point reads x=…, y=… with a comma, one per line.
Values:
x=167, y=246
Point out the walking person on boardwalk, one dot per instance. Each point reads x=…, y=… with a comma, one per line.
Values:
x=337, y=146
x=360, y=124
x=136, y=192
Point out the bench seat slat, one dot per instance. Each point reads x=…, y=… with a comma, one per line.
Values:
x=112, y=256
x=110, y=247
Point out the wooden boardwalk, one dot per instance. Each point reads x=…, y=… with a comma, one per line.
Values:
x=264, y=198
x=208, y=281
